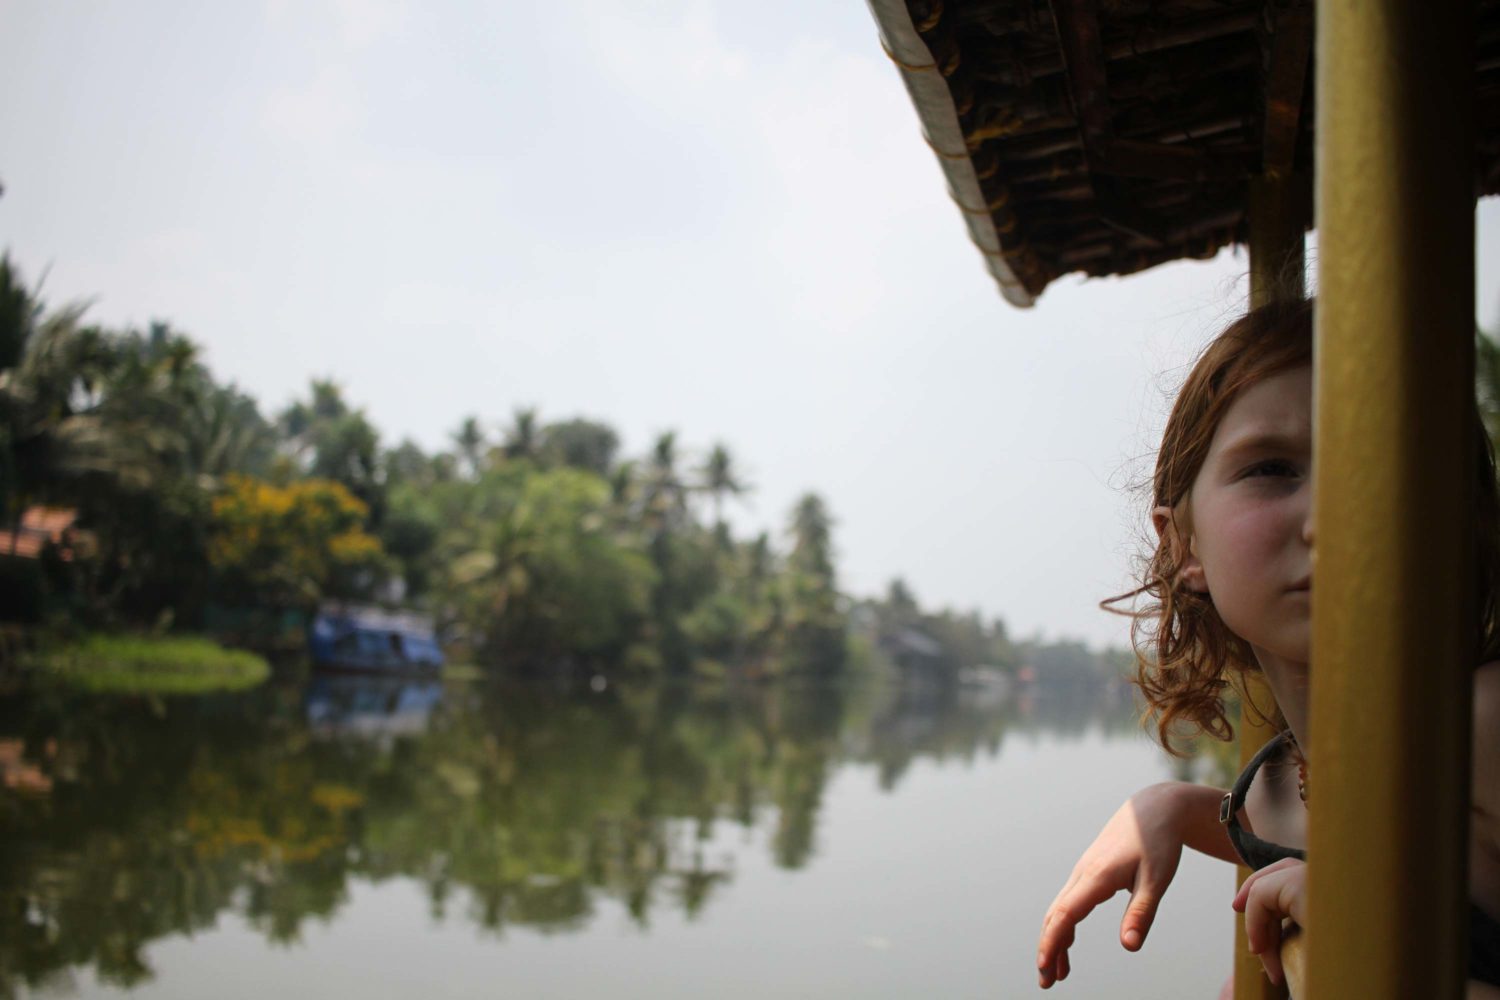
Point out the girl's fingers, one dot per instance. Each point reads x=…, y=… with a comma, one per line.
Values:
x=1266, y=897
x=1052, y=950
x=1270, y=958
x=1053, y=970
x=1076, y=902
x=1065, y=915
x=1257, y=916
x=1256, y=876
x=1072, y=905
x=1140, y=913
x=1257, y=898
x=1238, y=904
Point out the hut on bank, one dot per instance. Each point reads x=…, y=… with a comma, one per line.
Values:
x=1109, y=136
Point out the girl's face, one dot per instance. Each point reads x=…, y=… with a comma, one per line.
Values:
x=1251, y=516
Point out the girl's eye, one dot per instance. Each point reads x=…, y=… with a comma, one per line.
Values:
x=1274, y=467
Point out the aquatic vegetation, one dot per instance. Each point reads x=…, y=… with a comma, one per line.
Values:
x=138, y=664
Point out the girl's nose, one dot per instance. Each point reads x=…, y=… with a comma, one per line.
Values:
x=1307, y=522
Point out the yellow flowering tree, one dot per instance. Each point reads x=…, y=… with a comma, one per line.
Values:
x=291, y=546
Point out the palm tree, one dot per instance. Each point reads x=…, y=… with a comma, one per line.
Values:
x=329, y=439
x=52, y=375
x=20, y=312
x=158, y=399
x=665, y=498
x=622, y=485
x=469, y=439
x=300, y=422
x=812, y=538
x=719, y=478
x=758, y=561
x=664, y=453
x=814, y=639
x=524, y=439
x=226, y=433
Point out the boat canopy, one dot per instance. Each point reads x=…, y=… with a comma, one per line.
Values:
x=1109, y=136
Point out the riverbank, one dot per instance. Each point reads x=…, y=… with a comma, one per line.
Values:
x=139, y=664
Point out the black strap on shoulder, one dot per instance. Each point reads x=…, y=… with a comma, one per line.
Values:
x=1255, y=852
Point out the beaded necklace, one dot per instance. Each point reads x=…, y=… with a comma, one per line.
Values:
x=1301, y=770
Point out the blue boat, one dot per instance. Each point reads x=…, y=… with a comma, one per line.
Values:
x=370, y=640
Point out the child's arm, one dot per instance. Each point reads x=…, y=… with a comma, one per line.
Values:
x=1138, y=850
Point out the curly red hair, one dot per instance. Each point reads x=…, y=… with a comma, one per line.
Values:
x=1187, y=660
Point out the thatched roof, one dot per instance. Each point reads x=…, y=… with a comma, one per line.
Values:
x=1108, y=136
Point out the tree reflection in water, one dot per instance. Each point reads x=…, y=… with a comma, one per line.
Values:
x=131, y=819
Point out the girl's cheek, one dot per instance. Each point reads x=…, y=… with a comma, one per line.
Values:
x=1254, y=529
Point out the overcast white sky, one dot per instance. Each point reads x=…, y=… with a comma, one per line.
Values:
x=714, y=217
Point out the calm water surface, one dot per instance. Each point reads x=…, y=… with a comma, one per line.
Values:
x=350, y=838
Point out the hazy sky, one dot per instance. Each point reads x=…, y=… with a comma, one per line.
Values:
x=718, y=218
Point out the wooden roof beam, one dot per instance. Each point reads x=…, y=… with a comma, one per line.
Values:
x=1082, y=46
x=1139, y=43
x=1121, y=214
x=1181, y=161
x=1286, y=81
x=1081, y=43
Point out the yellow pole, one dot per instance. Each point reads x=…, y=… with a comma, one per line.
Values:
x=1278, y=214
x=1250, y=982
x=1279, y=211
x=1393, y=633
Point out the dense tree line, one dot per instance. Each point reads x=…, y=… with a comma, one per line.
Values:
x=532, y=543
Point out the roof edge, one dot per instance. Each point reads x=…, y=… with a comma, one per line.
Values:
x=940, y=127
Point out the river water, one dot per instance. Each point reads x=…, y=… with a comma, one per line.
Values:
x=346, y=838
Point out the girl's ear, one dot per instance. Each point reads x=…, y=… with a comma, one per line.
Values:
x=1190, y=568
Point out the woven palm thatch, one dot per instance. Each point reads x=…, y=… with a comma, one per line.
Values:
x=1108, y=136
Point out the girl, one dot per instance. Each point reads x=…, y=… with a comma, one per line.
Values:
x=1226, y=593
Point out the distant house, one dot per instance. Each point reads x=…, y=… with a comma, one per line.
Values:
x=910, y=643
x=42, y=526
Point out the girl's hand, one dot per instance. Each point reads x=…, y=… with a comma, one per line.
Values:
x=1138, y=850
x=1274, y=892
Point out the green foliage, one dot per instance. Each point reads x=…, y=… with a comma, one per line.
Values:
x=409, y=539
x=470, y=443
x=719, y=479
x=581, y=444
x=133, y=664
x=720, y=628
x=536, y=544
x=130, y=429
x=524, y=438
x=815, y=630
x=330, y=440
x=19, y=312
x=547, y=576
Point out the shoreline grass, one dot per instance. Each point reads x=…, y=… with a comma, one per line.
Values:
x=461, y=672
x=138, y=664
